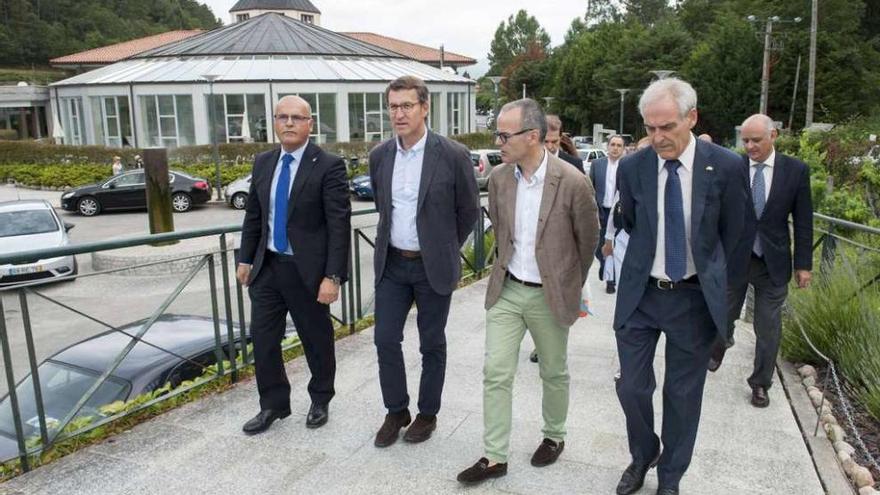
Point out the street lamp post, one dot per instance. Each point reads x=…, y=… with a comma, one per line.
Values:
x=623, y=92
x=219, y=183
x=768, y=46
x=547, y=101
x=495, y=81
x=662, y=74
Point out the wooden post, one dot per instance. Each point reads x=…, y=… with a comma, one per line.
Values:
x=158, y=191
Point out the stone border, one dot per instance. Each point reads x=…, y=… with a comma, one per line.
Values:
x=832, y=455
x=191, y=249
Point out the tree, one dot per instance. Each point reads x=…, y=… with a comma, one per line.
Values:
x=514, y=38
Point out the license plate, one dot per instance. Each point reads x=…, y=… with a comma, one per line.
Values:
x=24, y=270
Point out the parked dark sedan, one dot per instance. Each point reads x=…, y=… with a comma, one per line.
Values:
x=361, y=187
x=68, y=374
x=127, y=191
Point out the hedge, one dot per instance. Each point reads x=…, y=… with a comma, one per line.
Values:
x=73, y=175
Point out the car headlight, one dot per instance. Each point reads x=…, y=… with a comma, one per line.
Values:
x=67, y=195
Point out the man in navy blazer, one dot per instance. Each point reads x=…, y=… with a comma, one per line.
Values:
x=603, y=174
x=428, y=203
x=683, y=206
x=780, y=187
x=294, y=256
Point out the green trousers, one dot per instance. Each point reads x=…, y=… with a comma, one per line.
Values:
x=518, y=309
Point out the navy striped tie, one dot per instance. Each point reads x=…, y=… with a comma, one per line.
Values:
x=675, y=240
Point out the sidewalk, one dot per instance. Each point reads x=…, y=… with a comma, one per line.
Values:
x=199, y=448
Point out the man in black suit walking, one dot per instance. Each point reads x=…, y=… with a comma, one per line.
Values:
x=780, y=187
x=682, y=203
x=553, y=138
x=427, y=199
x=603, y=174
x=294, y=256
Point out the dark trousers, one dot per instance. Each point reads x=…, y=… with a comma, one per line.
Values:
x=769, y=299
x=603, y=223
x=682, y=315
x=278, y=290
x=403, y=282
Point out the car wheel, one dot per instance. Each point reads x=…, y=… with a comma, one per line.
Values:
x=239, y=200
x=181, y=202
x=88, y=206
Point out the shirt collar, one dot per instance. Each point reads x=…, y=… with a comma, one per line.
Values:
x=297, y=153
x=769, y=161
x=686, y=158
x=419, y=146
x=538, y=177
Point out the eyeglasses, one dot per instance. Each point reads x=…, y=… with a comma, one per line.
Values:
x=504, y=136
x=283, y=118
x=406, y=108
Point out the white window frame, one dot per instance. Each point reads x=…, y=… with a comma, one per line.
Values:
x=73, y=107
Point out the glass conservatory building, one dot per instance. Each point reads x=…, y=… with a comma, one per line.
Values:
x=226, y=82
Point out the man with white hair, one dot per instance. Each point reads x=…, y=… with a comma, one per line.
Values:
x=682, y=202
x=780, y=188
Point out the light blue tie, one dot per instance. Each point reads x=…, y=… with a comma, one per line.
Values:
x=675, y=240
x=282, y=191
x=759, y=199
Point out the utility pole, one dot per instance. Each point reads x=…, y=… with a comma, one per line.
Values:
x=623, y=92
x=811, y=79
x=765, y=67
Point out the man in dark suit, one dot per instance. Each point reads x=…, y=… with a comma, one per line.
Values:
x=603, y=174
x=294, y=256
x=780, y=188
x=683, y=206
x=427, y=199
x=552, y=140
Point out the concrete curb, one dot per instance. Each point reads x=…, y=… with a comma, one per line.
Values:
x=831, y=474
x=192, y=249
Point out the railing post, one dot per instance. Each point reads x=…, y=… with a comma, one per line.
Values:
x=32, y=361
x=829, y=247
x=215, y=315
x=227, y=301
x=356, y=275
x=13, y=395
x=239, y=296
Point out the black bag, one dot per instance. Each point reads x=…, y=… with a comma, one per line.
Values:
x=617, y=217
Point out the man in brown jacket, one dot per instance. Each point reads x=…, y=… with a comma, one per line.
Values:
x=546, y=228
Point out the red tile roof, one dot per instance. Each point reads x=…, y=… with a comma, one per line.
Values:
x=114, y=53
x=421, y=53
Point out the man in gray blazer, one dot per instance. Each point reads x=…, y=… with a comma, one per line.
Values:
x=603, y=175
x=546, y=227
x=428, y=202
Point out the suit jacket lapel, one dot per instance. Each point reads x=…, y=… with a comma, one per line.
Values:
x=601, y=169
x=306, y=165
x=429, y=161
x=699, y=188
x=386, y=172
x=778, y=183
x=548, y=195
x=267, y=168
x=507, y=199
x=648, y=174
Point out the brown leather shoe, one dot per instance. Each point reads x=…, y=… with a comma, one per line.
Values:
x=547, y=453
x=421, y=429
x=481, y=471
x=390, y=429
x=760, y=397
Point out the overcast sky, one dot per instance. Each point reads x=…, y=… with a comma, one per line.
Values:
x=462, y=26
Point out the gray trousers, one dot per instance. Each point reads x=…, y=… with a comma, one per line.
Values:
x=769, y=299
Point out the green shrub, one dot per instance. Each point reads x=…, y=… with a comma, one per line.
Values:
x=476, y=140
x=8, y=134
x=54, y=175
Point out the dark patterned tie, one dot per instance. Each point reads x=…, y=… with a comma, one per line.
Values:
x=759, y=199
x=675, y=240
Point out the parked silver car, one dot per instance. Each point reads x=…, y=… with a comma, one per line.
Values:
x=484, y=162
x=588, y=155
x=236, y=192
x=33, y=224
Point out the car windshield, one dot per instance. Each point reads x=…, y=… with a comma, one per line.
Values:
x=62, y=386
x=27, y=222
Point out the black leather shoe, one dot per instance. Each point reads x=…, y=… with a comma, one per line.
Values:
x=420, y=429
x=318, y=415
x=481, y=471
x=634, y=476
x=547, y=453
x=760, y=397
x=534, y=356
x=390, y=430
x=667, y=491
x=718, y=351
x=263, y=420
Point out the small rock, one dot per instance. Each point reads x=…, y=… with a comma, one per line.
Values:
x=835, y=433
x=809, y=381
x=868, y=490
x=862, y=477
x=807, y=370
x=813, y=388
x=841, y=446
x=829, y=419
x=825, y=410
x=816, y=397
x=846, y=462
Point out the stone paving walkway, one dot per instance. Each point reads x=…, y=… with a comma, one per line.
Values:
x=199, y=448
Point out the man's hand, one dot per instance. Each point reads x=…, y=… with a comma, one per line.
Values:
x=242, y=273
x=328, y=292
x=803, y=278
x=607, y=249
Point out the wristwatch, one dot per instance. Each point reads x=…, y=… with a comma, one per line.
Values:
x=336, y=279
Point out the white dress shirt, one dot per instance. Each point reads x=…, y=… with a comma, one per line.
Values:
x=294, y=166
x=610, y=183
x=768, y=173
x=686, y=176
x=523, y=264
x=405, y=194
